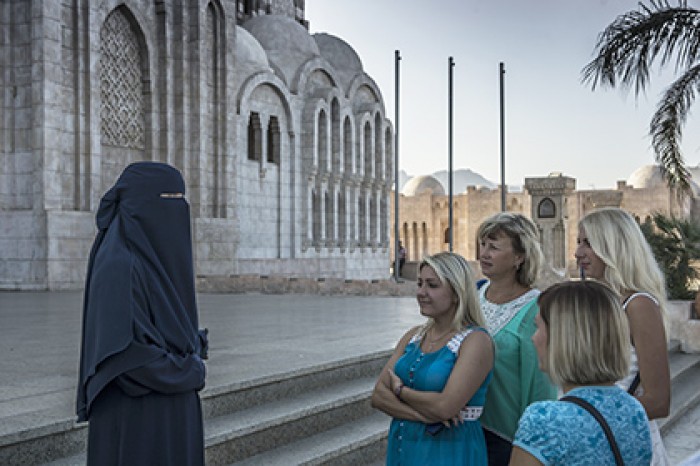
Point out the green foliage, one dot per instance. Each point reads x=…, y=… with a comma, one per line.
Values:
x=655, y=33
x=676, y=244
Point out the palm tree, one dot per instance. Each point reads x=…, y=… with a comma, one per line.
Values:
x=676, y=246
x=628, y=48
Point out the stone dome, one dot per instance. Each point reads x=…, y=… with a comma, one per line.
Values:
x=287, y=43
x=421, y=185
x=341, y=55
x=249, y=52
x=695, y=173
x=647, y=176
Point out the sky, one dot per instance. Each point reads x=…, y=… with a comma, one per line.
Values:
x=553, y=122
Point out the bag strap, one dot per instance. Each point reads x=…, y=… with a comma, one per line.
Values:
x=633, y=386
x=601, y=420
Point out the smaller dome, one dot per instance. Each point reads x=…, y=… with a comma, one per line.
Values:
x=423, y=185
x=648, y=176
x=287, y=43
x=249, y=52
x=339, y=53
x=695, y=188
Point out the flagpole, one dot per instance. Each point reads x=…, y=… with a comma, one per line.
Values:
x=450, y=68
x=502, y=74
x=397, y=59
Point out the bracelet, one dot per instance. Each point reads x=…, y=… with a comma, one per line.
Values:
x=397, y=390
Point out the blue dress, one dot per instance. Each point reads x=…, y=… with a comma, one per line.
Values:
x=409, y=443
x=562, y=433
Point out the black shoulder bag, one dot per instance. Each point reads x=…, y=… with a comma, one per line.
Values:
x=601, y=420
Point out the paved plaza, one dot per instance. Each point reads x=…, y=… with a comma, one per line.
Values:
x=251, y=336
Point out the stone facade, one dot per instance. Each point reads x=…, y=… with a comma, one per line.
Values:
x=281, y=136
x=551, y=201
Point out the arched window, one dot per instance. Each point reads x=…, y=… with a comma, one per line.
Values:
x=273, y=140
x=348, y=153
x=546, y=208
x=322, y=141
x=254, y=137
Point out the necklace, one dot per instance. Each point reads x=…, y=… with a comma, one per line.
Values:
x=432, y=341
x=508, y=296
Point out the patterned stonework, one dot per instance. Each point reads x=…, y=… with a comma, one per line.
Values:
x=121, y=85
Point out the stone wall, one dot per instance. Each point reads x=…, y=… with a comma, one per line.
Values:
x=286, y=159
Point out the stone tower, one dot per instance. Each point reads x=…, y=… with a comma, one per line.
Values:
x=550, y=213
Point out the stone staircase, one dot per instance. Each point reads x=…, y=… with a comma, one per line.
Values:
x=319, y=415
x=685, y=385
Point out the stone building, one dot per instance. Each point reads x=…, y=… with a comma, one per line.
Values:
x=551, y=201
x=281, y=136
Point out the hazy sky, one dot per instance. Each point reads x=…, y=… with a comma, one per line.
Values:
x=553, y=121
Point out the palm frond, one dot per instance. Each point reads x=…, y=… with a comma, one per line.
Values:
x=627, y=48
x=666, y=128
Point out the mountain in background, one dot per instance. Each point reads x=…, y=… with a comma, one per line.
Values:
x=461, y=178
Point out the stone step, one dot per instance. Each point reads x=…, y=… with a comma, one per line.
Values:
x=685, y=380
x=362, y=441
x=318, y=415
x=241, y=419
x=239, y=435
x=333, y=425
x=227, y=399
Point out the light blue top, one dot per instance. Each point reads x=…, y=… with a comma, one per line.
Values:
x=409, y=442
x=562, y=433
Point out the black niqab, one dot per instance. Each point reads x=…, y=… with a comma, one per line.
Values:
x=143, y=246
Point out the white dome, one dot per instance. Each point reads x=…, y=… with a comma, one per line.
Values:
x=648, y=176
x=421, y=185
x=695, y=173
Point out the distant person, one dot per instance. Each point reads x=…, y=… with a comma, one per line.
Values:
x=141, y=359
x=402, y=258
x=612, y=248
x=510, y=257
x=434, y=384
x=582, y=342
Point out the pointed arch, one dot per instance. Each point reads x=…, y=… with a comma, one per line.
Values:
x=125, y=104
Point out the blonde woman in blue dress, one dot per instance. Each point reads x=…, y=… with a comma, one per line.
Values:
x=611, y=248
x=434, y=384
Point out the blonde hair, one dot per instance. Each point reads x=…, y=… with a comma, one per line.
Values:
x=453, y=270
x=588, y=333
x=630, y=266
x=525, y=239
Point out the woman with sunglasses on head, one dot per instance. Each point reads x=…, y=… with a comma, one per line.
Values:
x=612, y=248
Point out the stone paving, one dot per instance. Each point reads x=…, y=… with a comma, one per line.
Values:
x=683, y=439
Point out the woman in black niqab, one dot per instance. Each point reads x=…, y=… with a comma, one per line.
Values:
x=141, y=361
